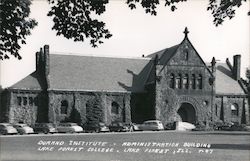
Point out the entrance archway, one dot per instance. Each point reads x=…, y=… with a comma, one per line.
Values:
x=187, y=113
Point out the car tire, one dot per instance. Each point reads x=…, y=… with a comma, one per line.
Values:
x=45, y=131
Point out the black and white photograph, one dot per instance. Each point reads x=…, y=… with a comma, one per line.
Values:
x=124, y=80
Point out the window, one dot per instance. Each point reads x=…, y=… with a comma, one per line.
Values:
x=185, y=55
x=115, y=108
x=19, y=101
x=64, y=107
x=30, y=101
x=178, y=81
x=234, y=110
x=35, y=101
x=193, y=82
x=185, y=81
x=171, y=84
x=24, y=101
x=199, y=81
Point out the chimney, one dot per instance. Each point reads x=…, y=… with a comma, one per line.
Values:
x=236, y=67
x=37, y=61
x=46, y=59
x=42, y=60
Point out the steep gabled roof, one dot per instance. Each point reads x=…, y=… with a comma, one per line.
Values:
x=91, y=73
x=225, y=83
x=68, y=72
x=165, y=54
x=31, y=82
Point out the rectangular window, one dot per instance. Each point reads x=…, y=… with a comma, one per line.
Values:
x=30, y=101
x=36, y=101
x=178, y=82
x=24, y=101
x=19, y=101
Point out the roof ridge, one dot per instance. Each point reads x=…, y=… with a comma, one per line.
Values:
x=97, y=56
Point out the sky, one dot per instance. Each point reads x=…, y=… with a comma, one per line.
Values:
x=136, y=33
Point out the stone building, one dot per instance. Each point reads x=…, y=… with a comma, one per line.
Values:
x=174, y=84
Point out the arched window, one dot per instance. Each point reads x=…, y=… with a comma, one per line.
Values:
x=185, y=81
x=234, y=109
x=178, y=81
x=64, y=107
x=193, y=82
x=114, y=108
x=171, y=83
x=199, y=81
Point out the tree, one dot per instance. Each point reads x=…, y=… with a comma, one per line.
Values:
x=15, y=26
x=77, y=19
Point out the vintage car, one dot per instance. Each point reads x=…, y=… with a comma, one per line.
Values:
x=118, y=127
x=23, y=128
x=95, y=127
x=69, y=128
x=44, y=128
x=6, y=128
x=135, y=127
x=151, y=125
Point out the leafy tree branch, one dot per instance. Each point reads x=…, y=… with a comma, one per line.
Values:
x=15, y=25
x=77, y=19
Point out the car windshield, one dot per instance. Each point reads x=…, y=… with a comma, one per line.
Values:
x=68, y=124
x=49, y=125
x=20, y=125
x=101, y=124
x=150, y=123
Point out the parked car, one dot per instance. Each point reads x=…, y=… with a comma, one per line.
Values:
x=44, y=128
x=118, y=127
x=170, y=126
x=184, y=126
x=225, y=126
x=6, y=128
x=95, y=127
x=135, y=127
x=154, y=125
x=23, y=128
x=69, y=128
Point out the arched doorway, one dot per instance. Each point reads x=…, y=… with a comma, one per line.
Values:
x=187, y=113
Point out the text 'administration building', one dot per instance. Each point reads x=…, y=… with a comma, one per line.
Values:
x=173, y=84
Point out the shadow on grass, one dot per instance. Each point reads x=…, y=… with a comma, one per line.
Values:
x=231, y=146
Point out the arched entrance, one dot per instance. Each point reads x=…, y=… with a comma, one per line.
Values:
x=187, y=113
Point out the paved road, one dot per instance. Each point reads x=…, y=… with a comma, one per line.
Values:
x=138, y=146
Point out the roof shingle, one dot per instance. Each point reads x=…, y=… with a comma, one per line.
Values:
x=68, y=72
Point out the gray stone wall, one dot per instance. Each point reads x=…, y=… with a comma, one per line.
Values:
x=89, y=106
x=224, y=111
x=22, y=107
x=169, y=97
